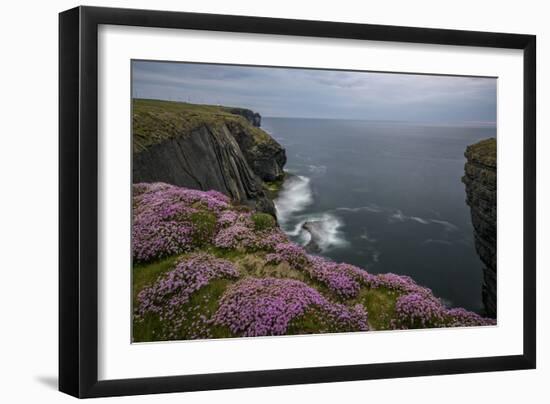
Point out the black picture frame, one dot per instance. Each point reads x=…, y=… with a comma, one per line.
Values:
x=78, y=201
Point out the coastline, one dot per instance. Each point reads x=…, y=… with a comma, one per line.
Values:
x=242, y=253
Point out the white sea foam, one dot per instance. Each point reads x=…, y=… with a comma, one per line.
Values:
x=304, y=237
x=294, y=197
x=435, y=241
x=419, y=220
x=367, y=237
x=399, y=216
x=368, y=208
x=326, y=232
x=329, y=234
x=447, y=225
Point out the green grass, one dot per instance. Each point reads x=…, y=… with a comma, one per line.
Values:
x=154, y=121
x=254, y=265
x=231, y=255
x=144, y=275
x=263, y=221
x=314, y=321
x=484, y=152
x=380, y=304
x=202, y=304
x=204, y=225
x=272, y=188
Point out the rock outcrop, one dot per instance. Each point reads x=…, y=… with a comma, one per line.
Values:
x=205, y=148
x=252, y=117
x=314, y=229
x=481, y=195
x=265, y=156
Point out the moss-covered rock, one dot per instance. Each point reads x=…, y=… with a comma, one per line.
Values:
x=204, y=226
x=272, y=188
x=263, y=221
x=483, y=153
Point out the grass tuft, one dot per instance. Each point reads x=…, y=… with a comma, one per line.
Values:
x=380, y=304
x=263, y=221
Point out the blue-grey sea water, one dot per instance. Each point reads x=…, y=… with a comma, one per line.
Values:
x=389, y=196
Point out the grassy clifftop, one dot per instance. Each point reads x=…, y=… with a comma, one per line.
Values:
x=154, y=121
x=483, y=152
x=205, y=267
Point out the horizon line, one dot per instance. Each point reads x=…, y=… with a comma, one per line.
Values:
x=483, y=123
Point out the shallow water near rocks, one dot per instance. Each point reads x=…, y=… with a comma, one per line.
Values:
x=386, y=196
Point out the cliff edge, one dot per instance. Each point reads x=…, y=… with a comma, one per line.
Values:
x=207, y=148
x=207, y=268
x=480, y=179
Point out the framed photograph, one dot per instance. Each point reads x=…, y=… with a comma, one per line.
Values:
x=251, y=201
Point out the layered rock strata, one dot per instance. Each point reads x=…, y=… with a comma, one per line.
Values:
x=206, y=148
x=480, y=179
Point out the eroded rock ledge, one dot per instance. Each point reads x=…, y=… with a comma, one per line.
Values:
x=481, y=195
x=206, y=147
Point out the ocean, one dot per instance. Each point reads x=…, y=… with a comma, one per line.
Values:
x=385, y=196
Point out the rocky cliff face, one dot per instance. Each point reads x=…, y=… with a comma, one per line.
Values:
x=252, y=117
x=481, y=195
x=205, y=148
x=264, y=155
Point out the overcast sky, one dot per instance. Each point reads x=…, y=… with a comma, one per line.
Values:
x=282, y=92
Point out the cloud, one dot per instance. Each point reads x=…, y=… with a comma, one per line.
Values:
x=291, y=92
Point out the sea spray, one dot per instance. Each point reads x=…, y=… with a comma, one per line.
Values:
x=325, y=231
x=325, y=228
x=294, y=197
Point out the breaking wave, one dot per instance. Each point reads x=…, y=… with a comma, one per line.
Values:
x=324, y=229
x=294, y=197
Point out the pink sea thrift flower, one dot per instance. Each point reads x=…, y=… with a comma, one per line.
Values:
x=255, y=307
x=172, y=291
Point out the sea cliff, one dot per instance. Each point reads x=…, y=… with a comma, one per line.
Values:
x=480, y=179
x=205, y=267
x=207, y=148
x=209, y=258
